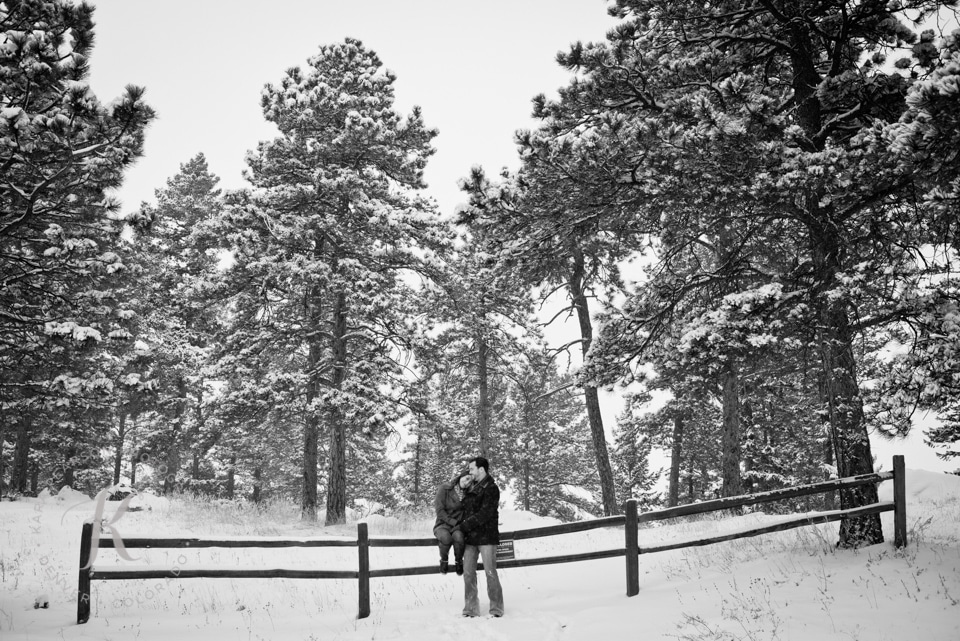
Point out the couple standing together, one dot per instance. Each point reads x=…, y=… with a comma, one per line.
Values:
x=467, y=513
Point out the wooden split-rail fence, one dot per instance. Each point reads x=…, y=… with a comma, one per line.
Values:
x=629, y=521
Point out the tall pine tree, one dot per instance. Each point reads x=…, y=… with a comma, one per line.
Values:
x=779, y=105
x=62, y=151
x=330, y=240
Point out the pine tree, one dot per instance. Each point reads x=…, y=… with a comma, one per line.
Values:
x=487, y=322
x=631, y=455
x=174, y=257
x=926, y=137
x=548, y=235
x=545, y=439
x=442, y=426
x=780, y=105
x=784, y=441
x=328, y=241
x=258, y=409
x=62, y=151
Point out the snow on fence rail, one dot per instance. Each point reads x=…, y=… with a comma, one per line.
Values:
x=630, y=522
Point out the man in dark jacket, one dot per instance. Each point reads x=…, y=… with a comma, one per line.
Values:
x=481, y=513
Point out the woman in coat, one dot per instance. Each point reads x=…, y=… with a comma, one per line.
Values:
x=449, y=515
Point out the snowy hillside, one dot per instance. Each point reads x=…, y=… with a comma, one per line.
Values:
x=788, y=586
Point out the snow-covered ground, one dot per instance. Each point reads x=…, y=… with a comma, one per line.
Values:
x=793, y=585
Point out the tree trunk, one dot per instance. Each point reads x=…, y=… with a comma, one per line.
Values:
x=121, y=436
x=3, y=440
x=730, y=452
x=337, y=474
x=231, y=477
x=840, y=392
x=21, y=456
x=196, y=433
x=851, y=441
x=133, y=448
x=526, y=484
x=69, y=469
x=579, y=299
x=311, y=437
x=528, y=428
x=483, y=410
x=417, y=471
x=607, y=490
x=746, y=412
x=172, y=463
x=829, y=498
x=730, y=441
x=676, y=453
x=313, y=305
x=257, y=495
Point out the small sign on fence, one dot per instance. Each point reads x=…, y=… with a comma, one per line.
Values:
x=505, y=550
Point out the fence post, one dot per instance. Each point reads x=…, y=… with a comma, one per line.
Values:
x=899, y=502
x=83, y=579
x=632, y=547
x=363, y=576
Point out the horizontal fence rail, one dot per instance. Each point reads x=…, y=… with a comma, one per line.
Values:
x=629, y=522
x=733, y=502
x=501, y=565
x=231, y=543
x=813, y=519
x=214, y=573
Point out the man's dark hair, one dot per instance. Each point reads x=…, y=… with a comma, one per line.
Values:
x=481, y=461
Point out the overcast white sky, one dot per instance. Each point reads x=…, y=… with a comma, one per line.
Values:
x=473, y=67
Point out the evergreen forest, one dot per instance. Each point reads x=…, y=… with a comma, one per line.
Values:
x=748, y=210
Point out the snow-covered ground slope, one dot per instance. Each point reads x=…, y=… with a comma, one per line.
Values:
x=793, y=585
